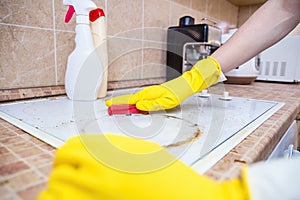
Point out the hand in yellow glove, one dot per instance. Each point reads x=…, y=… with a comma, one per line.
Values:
x=87, y=167
x=170, y=94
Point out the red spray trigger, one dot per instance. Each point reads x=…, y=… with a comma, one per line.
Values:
x=69, y=14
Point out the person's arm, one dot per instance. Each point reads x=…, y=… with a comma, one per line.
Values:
x=270, y=23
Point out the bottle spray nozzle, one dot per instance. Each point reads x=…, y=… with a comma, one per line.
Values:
x=80, y=7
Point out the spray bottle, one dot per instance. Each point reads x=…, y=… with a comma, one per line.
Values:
x=97, y=18
x=84, y=68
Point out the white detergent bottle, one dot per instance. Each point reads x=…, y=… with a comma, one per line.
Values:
x=84, y=69
x=98, y=24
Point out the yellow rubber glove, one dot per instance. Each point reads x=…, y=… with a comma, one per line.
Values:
x=114, y=167
x=170, y=94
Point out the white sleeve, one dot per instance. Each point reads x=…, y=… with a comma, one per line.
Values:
x=277, y=179
x=222, y=77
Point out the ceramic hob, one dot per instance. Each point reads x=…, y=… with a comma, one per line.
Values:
x=199, y=132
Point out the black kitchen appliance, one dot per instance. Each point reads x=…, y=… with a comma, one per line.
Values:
x=194, y=40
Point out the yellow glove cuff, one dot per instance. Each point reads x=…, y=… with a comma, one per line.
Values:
x=205, y=73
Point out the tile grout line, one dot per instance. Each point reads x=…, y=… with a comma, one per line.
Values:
x=135, y=39
x=143, y=36
x=31, y=184
x=54, y=41
x=25, y=26
x=18, y=135
x=206, y=8
x=12, y=193
x=106, y=16
x=31, y=168
x=35, y=27
x=169, y=13
x=24, y=160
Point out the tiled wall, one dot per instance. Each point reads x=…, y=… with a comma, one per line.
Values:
x=35, y=41
x=245, y=12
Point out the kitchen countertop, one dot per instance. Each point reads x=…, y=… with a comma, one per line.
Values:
x=25, y=162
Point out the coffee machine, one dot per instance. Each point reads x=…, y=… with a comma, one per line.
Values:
x=189, y=43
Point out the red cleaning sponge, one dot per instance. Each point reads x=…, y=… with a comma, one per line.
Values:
x=125, y=109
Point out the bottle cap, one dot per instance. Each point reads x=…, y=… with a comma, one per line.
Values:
x=95, y=14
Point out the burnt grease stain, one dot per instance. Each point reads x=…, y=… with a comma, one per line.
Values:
x=174, y=117
x=195, y=136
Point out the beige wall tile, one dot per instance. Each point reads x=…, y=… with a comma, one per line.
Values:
x=124, y=18
x=255, y=7
x=124, y=59
x=119, y=46
x=198, y=16
x=200, y=5
x=155, y=34
x=225, y=11
x=60, y=13
x=186, y=3
x=216, y=10
x=245, y=12
x=228, y=14
x=156, y=13
x=213, y=9
x=126, y=67
x=36, y=13
x=233, y=15
x=65, y=44
x=27, y=57
x=155, y=45
x=154, y=60
x=154, y=63
x=178, y=11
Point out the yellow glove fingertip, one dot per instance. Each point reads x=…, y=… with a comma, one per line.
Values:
x=108, y=103
x=142, y=106
x=149, y=106
x=123, y=99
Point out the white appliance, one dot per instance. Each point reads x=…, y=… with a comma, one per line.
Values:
x=287, y=146
x=281, y=62
x=245, y=73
